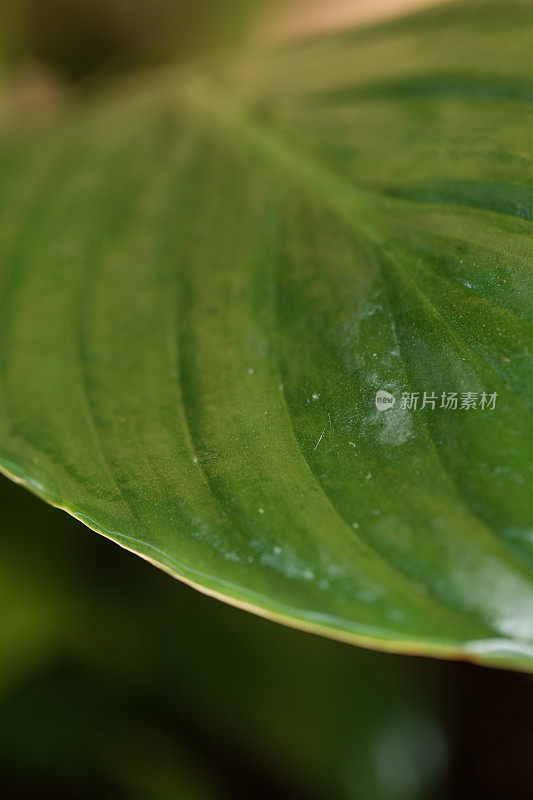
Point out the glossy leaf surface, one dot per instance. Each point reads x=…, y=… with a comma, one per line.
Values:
x=206, y=279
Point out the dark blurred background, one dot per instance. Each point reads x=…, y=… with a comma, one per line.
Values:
x=79, y=39
x=117, y=681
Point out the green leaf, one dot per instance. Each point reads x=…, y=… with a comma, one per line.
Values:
x=206, y=279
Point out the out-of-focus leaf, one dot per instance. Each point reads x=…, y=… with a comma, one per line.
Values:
x=30, y=623
x=203, y=285
x=57, y=736
x=38, y=605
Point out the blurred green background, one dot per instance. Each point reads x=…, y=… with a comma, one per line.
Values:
x=117, y=681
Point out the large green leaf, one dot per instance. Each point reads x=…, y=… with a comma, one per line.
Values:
x=204, y=282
